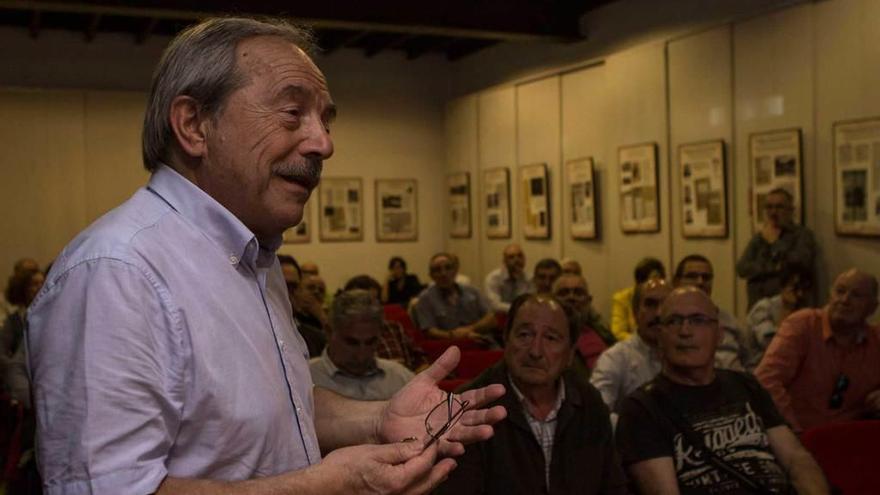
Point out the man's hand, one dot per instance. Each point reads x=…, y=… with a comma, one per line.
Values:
x=466, y=332
x=872, y=402
x=770, y=232
x=398, y=468
x=404, y=415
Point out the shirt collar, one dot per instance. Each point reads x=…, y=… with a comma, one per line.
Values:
x=334, y=370
x=827, y=333
x=560, y=396
x=223, y=228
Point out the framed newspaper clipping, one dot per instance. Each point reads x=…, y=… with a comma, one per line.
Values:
x=702, y=175
x=857, y=177
x=535, y=201
x=396, y=210
x=639, y=192
x=776, y=162
x=302, y=232
x=496, y=201
x=342, y=209
x=458, y=187
x=580, y=187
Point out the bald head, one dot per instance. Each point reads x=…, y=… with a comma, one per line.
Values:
x=853, y=300
x=573, y=290
x=514, y=259
x=689, y=335
x=688, y=296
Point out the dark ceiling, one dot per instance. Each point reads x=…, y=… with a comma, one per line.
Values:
x=454, y=28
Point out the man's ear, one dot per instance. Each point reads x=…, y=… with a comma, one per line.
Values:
x=189, y=124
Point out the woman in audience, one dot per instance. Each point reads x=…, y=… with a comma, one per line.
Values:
x=623, y=320
x=400, y=287
x=766, y=315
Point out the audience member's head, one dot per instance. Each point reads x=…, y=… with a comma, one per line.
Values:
x=573, y=290
x=514, y=260
x=648, y=268
x=647, y=301
x=779, y=207
x=546, y=272
x=853, y=300
x=797, y=283
x=355, y=325
x=315, y=285
x=539, y=340
x=23, y=286
x=397, y=267
x=690, y=332
x=309, y=269
x=571, y=266
x=292, y=276
x=364, y=282
x=694, y=270
x=25, y=264
x=443, y=270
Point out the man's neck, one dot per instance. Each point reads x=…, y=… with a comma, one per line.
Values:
x=689, y=376
x=539, y=399
x=846, y=335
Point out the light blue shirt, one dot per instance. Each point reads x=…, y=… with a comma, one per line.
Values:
x=162, y=344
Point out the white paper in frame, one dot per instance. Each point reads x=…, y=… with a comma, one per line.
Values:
x=341, y=209
x=535, y=201
x=775, y=161
x=639, y=192
x=703, y=189
x=580, y=192
x=496, y=203
x=856, y=145
x=458, y=189
x=396, y=210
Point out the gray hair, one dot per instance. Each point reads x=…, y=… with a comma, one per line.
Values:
x=355, y=305
x=201, y=63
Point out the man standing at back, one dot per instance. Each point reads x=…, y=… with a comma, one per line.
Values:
x=162, y=348
x=508, y=281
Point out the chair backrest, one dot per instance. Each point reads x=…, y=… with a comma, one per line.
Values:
x=473, y=363
x=848, y=454
x=395, y=312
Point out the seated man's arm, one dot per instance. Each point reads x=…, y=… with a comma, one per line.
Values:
x=655, y=476
x=607, y=377
x=806, y=475
x=754, y=260
x=493, y=293
x=782, y=363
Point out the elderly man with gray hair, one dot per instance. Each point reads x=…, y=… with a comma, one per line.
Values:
x=349, y=366
x=162, y=349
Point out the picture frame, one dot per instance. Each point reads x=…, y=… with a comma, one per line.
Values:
x=397, y=216
x=702, y=173
x=496, y=202
x=341, y=208
x=302, y=232
x=639, y=188
x=775, y=160
x=535, y=201
x=580, y=190
x=458, y=187
x=856, y=149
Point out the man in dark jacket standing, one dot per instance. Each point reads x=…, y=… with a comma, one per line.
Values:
x=557, y=436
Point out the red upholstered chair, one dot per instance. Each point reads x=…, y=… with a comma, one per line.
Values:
x=848, y=454
x=395, y=312
x=475, y=362
x=451, y=384
x=435, y=347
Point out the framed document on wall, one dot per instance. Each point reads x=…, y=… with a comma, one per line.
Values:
x=776, y=162
x=496, y=201
x=302, y=233
x=396, y=210
x=535, y=201
x=857, y=177
x=702, y=176
x=580, y=186
x=459, y=188
x=639, y=194
x=342, y=209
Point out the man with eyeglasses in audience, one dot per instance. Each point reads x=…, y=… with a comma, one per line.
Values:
x=594, y=337
x=630, y=364
x=780, y=242
x=448, y=310
x=557, y=438
x=823, y=365
x=695, y=270
x=696, y=429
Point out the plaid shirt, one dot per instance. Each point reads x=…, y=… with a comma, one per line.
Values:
x=545, y=429
x=395, y=344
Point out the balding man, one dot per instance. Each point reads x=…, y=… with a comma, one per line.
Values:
x=508, y=281
x=595, y=337
x=696, y=429
x=822, y=365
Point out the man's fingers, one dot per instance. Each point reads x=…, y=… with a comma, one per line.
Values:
x=480, y=397
x=444, y=365
x=437, y=475
x=399, y=453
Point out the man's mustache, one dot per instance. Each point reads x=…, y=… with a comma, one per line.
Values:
x=307, y=172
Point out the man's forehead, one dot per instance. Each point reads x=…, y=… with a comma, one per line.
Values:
x=688, y=302
x=546, y=311
x=697, y=266
x=278, y=61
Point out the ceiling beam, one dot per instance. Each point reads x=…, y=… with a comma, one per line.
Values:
x=92, y=28
x=36, y=22
x=390, y=43
x=146, y=30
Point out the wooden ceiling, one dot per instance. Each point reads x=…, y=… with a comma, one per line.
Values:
x=453, y=28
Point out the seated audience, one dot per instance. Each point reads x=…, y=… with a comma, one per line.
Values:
x=594, y=335
x=348, y=366
x=695, y=270
x=460, y=278
x=546, y=272
x=6, y=307
x=308, y=312
x=556, y=437
x=22, y=288
x=779, y=242
x=766, y=315
x=394, y=344
x=696, y=429
x=571, y=267
x=400, y=287
x=508, y=281
x=623, y=319
x=309, y=269
x=315, y=285
x=824, y=364
x=630, y=364
x=448, y=310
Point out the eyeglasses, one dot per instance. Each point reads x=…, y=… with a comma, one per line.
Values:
x=695, y=321
x=840, y=386
x=443, y=417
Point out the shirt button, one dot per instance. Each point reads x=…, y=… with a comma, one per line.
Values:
x=233, y=259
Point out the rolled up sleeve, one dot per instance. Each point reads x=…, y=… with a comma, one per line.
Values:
x=105, y=355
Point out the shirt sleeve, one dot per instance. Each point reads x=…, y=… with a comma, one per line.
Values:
x=106, y=360
x=620, y=309
x=640, y=435
x=493, y=292
x=424, y=316
x=782, y=362
x=607, y=378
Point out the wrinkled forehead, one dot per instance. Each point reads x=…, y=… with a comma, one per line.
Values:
x=542, y=312
x=272, y=60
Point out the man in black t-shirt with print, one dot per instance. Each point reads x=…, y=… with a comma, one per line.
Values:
x=668, y=426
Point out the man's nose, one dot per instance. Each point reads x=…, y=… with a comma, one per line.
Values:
x=318, y=143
